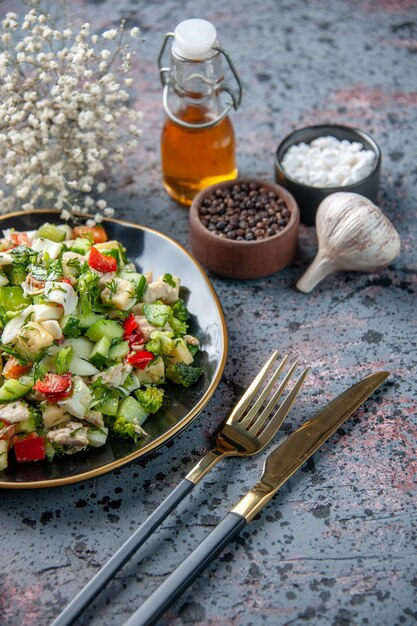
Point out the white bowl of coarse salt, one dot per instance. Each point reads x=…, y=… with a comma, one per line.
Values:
x=314, y=161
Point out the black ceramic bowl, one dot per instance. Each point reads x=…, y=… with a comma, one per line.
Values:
x=308, y=197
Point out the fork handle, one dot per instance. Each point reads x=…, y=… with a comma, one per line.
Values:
x=187, y=572
x=116, y=562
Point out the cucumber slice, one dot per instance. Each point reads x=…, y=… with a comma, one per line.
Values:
x=119, y=351
x=11, y=298
x=97, y=436
x=131, y=383
x=105, y=328
x=80, y=367
x=156, y=314
x=27, y=380
x=81, y=345
x=12, y=390
x=70, y=326
x=132, y=411
x=109, y=403
x=100, y=352
x=50, y=451
x=88, y=320
x=49, y=231
x=80, y=245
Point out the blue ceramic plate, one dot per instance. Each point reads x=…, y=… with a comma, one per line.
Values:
x=150, y=251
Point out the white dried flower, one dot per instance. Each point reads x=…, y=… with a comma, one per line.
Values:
x=65, y=215
x=110, y=34
x=63, y=114
x=134, y=32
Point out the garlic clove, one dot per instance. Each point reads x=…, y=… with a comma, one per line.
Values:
x=353, y=235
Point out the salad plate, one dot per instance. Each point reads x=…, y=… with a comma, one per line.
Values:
x=150, y=251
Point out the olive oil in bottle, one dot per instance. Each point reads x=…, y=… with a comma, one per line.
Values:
x=197, y=141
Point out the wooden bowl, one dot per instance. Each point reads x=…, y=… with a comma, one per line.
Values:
x=244, y=259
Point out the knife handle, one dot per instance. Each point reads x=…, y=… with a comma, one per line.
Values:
x=187, y=572
x=116, y=562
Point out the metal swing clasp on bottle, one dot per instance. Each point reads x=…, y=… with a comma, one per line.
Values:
x=168, y=80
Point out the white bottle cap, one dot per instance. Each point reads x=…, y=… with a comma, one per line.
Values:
x=194, y=39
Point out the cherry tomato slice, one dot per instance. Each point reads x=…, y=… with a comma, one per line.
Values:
x=20, y=239
x=96, y=233
x=13, y=369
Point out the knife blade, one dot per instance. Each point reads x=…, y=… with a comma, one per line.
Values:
x=293, y=451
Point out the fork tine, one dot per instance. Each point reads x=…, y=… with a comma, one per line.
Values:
x=252, y=389
x=276, y=421
x=264, y=394
x=262, y=417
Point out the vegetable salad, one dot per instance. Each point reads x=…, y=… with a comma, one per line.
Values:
x=86, y=342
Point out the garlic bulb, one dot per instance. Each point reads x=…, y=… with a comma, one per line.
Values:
x=353, y=235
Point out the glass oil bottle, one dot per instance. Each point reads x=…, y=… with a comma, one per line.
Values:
x=197, y=140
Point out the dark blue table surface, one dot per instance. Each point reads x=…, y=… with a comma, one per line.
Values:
x=337, y=546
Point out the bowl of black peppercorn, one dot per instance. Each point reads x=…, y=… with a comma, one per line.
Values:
x=244, y=228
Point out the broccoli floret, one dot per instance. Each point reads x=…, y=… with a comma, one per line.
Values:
x=193, y=349
x=160, y=342
x=183, y=374
x=150, y=398
x=179, y=310
x=34, y=423
x=35, y=418
x=180, y=328
x=127, y=430
x=178, y=319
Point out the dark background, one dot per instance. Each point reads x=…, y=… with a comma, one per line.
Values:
x=337, y=545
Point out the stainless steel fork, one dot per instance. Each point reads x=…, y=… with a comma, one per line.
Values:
x=246, y=432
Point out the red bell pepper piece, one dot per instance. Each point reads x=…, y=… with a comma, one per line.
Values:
x=57, y=397
x=29, y=448
x=140, y=359
x=54, y=384
x=132, y=332
x=66, y=280
x=129, y=325
x=101, y=262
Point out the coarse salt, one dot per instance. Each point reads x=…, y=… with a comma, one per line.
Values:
x=328, y=162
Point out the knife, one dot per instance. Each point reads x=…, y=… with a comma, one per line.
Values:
x=279, y=466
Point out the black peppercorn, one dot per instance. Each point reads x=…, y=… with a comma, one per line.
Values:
x=244, y=212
